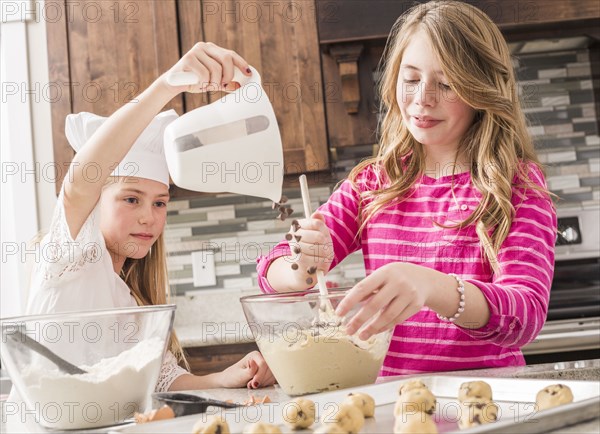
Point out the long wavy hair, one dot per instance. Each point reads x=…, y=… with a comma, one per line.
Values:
x=476, y=61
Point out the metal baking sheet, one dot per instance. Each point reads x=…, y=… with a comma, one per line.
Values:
x=514, y=397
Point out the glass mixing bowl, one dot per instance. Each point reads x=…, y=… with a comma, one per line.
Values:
x=121, y=351
x=308, y=349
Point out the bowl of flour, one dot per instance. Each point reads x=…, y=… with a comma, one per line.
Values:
x=120, y=350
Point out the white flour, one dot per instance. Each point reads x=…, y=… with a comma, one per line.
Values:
x=111, y=390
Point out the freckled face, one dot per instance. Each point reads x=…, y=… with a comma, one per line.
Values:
x=432, y=111
x=133, y=215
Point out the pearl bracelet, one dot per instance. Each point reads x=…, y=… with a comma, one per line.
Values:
x=461, y=303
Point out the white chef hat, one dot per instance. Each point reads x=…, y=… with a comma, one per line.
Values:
x=145, y=159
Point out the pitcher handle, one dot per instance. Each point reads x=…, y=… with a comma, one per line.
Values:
x=188, y=78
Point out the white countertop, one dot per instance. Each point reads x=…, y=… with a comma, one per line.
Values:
x=585, y=370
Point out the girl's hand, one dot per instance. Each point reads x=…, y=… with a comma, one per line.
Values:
x=213, y=65
x=311, y=249
x=391, y=294
x=252, y=372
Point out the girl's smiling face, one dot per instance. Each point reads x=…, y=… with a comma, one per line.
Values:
x=133, y=215
x=431, y=110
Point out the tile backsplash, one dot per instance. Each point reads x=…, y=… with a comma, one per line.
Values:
x=231, y=232
x=557, y=91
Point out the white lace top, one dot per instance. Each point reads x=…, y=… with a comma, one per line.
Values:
x=75, y=275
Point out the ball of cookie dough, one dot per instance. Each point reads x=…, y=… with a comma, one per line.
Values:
x=212, y=425
x=349, y=417
x=299, y=413
x=474, y=413
x=415, y=423
x=261, y=428
x=411, y=384
x=415, y=400
x=330, y=428
x=552, y=396
x=475, y=390
x=364, y=402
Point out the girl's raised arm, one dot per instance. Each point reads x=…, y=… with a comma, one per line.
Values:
x=114, y=138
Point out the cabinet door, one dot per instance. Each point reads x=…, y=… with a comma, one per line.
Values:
x=280, y=40
x=102, y=54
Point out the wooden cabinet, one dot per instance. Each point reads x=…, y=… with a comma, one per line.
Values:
x=280, y=40
x=215, y=358
x=101, y=54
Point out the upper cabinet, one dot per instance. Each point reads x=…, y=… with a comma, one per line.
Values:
x=102, y=54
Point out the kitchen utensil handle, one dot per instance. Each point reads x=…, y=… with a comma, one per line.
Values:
x=34, y=345
x=321, y=282
x=188, y=78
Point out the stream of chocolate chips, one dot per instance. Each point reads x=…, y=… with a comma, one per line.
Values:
x=284, y=210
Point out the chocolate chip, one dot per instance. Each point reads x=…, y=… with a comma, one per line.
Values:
x=281, y=216
x=298, y=237
x=288, y=237
x=289, y=211
x=309, y=281
x=297, y=250
x=311, y=270
x=294, y=266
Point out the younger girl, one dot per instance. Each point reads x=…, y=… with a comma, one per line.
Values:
x=111, y=212
x=453, y=216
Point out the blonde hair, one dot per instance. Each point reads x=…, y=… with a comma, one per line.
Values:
x=148, y=280
x=476, y=61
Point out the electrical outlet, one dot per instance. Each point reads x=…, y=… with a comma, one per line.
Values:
x=203, y=268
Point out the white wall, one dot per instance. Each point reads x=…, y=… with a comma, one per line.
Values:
x=27, y=199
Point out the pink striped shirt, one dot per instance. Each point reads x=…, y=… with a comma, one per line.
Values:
x=405, y=232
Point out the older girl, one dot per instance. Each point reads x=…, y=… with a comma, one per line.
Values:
x=453, y=215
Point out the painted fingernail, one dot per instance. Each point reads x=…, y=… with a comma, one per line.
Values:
x=294, y=266
x=309, y=281
x=255, y=384
x=248, y=70
x=288, y=237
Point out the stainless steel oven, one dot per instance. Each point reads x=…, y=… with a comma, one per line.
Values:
x=572, y=329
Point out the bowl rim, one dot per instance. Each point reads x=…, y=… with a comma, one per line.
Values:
x=88, y=313
x=308, y=295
